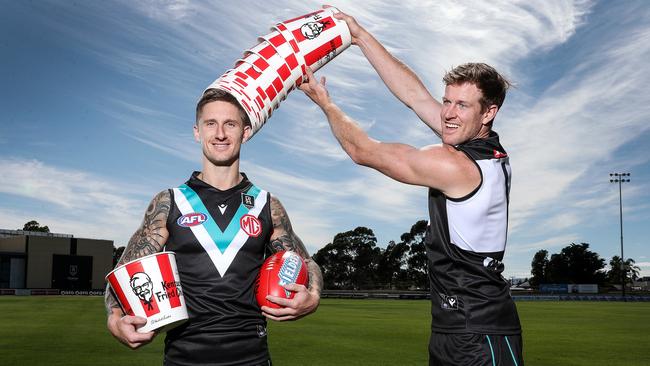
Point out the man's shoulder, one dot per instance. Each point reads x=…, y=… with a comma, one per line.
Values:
x=483, y=148
x=162, y=195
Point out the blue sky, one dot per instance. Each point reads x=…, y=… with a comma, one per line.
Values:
x=97, y=105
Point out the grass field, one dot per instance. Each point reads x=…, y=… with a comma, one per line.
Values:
x=71, y=331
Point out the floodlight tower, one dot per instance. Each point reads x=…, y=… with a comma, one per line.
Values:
x=620, y=179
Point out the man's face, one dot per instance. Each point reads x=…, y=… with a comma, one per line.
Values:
x=221, y=132
x=461, y=115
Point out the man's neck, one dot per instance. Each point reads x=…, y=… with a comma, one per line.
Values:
x=221, y=177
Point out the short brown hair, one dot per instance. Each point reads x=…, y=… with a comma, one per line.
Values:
x=213, y=95
x=493, y=86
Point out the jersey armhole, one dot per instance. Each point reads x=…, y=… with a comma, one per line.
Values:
x=268, y=249
x=478, y=187
x=172, y=206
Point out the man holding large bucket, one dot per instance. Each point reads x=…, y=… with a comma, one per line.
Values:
x=219, y=225
x=474, y=319
x=217, y=228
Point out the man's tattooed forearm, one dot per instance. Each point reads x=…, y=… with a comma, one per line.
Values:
x=110, y=301
x=277, y=245
x=291, y=242
x=287, y=239
x=315, y=276
x=281, y=224
x=148, y=239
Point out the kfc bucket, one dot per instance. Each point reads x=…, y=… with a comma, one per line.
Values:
x=277, y=64
x=150, y=287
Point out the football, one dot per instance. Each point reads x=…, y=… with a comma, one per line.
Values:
x=281, y=268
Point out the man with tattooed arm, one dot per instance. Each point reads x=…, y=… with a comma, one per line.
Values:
x=225, y=325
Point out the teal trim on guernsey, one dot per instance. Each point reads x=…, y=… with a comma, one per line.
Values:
x=491, y=349
x=221, y=238
x=511, y=353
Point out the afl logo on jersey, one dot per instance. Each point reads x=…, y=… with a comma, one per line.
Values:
x=251, y=225
x=191, y=219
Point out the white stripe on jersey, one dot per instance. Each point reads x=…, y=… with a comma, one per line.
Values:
x=479, y=223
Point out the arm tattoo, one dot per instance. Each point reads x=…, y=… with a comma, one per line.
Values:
x=283, y=238
x=283, y=232
x=148, y=239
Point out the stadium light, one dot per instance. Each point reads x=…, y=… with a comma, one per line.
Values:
x=620, y=178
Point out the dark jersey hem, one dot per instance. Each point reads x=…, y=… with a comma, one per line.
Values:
x=477, y=331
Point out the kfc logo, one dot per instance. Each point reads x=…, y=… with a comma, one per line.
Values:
x=312, y=30
x=142, y=288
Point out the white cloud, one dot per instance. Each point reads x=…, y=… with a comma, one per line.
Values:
x=546, y=244
x=72, y=201
x=645, y=268
x=321, y=208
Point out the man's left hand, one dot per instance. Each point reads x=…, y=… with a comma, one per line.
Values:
x=303, y=303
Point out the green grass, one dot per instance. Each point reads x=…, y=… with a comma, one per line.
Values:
x=72, y=331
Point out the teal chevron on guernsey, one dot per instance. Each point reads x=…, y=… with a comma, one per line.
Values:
x=221, y=238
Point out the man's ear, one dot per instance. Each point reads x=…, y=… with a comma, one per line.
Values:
x=489, y=114
x=248, y=133
x=197, y=137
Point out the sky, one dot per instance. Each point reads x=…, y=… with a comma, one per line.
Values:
x=97, y=106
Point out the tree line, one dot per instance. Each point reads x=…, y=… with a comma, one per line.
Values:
x=576, y=264
x=353, y=261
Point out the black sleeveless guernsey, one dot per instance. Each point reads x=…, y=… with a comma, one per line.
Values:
x=220, y=239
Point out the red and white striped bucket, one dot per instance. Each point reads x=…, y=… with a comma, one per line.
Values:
x=150, y=287
x=320, y=36
x=277, y=64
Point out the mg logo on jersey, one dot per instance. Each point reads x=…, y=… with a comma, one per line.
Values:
x=191, y=219
x=251, y=225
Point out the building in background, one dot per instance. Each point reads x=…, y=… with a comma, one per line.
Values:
x=37, y=260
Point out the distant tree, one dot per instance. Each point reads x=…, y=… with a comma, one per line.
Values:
x=350, y=260
x=365, y=254
x=417, y=259
x=34, y=226
x=391, y=269
x=576, y=264
x=539, y=267
x=557, y=270
x=336, y=264
x=614, y=273
x=117, y=254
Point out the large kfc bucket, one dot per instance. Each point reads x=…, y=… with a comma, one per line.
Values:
x=150, y=287
x=277, y=64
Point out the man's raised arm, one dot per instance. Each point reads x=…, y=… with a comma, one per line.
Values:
x=397, y=76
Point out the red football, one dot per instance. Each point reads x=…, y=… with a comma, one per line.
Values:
x=281, y=268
